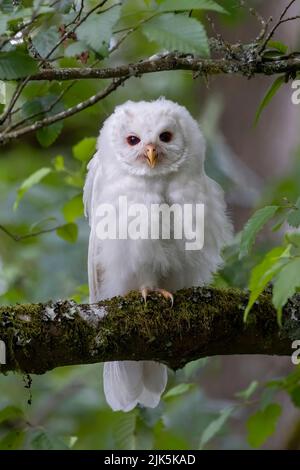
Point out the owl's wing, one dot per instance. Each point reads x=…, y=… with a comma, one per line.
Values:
x=89, y=199
x=94, y=171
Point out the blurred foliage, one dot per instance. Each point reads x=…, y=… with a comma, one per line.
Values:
x=41, y=191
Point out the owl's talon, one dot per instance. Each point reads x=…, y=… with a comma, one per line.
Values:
x=145, y=293
x=166, y=294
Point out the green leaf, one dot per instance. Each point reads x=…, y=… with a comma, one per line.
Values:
x=2, y=93
x=262, y=424
x=267, y=397
x=287, y=383
x=293, y=238
x=73, y=209
x=81, y=293
x=281, y=217
x=248, y=392
x=13, y=440
x=85, y=149
x=16, y=64
x=279, y=46
x=68, y=232
x=75, y=49
x=31, y=181
x=45, y=40
x=293, y=218
x=253, y=226
x=75, y=179
x=285, y=284
x=177, y=32
x=32, y=107
x=7, y=6
x=42, y=224
x=295, y=396
x=264, y=272
x=10, y=413
x=48, y=135
x=3, y=23
x=44, y=107
x=178, y=390
x=45, y=441
x=59, y=163
x=184, y=5
x=215, y=426
x=192, y=367
x=96, y=31
x=65, y=5
x=124, y=431
x=268, y=96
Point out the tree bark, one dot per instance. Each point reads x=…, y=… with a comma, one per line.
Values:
x=244, y=63
x=203, y=322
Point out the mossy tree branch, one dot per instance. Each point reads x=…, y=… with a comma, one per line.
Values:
x=203, y=322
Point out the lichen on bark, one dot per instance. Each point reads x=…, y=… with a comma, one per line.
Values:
x=203, y=322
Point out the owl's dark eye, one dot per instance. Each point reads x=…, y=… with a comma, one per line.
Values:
x=133, y=140
x=166, y=136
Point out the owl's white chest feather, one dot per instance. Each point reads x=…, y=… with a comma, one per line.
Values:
x=147, y=262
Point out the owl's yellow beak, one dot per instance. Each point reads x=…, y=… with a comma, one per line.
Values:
x=151, y=155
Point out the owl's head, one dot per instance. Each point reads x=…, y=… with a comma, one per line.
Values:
x=151, y=138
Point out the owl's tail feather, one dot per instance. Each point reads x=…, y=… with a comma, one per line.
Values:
x=128, y=383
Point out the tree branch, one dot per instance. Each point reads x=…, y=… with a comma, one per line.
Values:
x=241, y=65
x=237, y=60
x=203, y=322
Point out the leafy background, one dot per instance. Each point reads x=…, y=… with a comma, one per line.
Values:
x=206, y=405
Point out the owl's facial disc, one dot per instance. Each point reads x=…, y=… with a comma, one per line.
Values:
x=148, y=139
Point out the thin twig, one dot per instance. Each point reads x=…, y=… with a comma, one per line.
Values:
x=129, y=31
x=121, y=39
x=4, y=138
x=40, y=113
x=275, y=27
x=285, y=20
x=18, y=238
x=77, y=17
x=14, y=99
x=83, y=19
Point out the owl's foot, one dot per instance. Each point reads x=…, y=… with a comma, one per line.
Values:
x=166, y=294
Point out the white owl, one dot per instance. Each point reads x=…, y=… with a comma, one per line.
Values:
x=152, y=153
